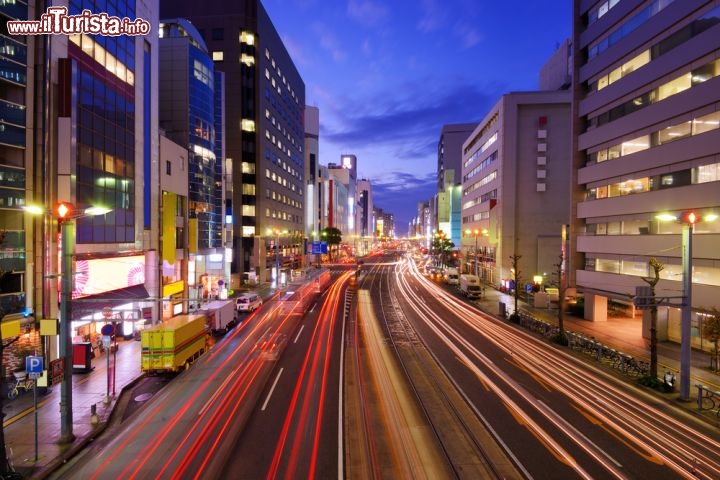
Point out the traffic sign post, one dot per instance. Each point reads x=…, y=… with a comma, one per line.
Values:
x=34, y=369
x=107, y=330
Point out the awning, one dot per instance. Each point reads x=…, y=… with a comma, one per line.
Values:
x=82, y=307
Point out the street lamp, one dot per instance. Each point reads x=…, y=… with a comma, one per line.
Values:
x=687, y=220
x=65, y=214
x=277, y=232
x=476, y=232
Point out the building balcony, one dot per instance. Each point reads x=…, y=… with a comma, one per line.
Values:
x=13, y=50
x=17, y=9
x=12, y=113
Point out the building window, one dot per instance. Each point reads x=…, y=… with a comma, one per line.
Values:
x=218, y=56
x=218, y=34
x=168, y=167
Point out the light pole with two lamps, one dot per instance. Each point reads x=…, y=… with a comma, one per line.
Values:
x=688, y=220
x=476, y=232
x=65, y=214
x=277, y=232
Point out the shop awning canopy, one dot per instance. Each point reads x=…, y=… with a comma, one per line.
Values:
x=86, y=306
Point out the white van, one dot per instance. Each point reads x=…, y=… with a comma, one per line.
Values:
x=248, y=302
x=452, y=276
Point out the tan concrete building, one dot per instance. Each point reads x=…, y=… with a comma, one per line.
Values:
x=646, y=138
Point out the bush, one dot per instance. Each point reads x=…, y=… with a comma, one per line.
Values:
x=561, y=339
x=514, y=317
x=652, y=382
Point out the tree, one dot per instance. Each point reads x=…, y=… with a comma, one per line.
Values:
x=333, y=236
x=657, y=268
x=711, y=331
x=562, y=287
x=442, y=246
x=515, y=260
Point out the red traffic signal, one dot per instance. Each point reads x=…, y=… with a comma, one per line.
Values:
x=63, y=210
x=691, y=218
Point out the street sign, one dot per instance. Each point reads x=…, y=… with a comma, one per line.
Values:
x=319, y=248
x=34, y=364
x=107, y=329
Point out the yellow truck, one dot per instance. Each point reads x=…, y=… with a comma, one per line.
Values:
x=174, y=344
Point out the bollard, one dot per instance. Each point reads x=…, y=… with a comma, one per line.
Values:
x=93, y=415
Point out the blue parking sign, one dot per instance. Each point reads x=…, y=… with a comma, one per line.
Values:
x=34, y=364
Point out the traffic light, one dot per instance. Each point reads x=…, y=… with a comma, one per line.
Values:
x=63, y=211
x=690, y=217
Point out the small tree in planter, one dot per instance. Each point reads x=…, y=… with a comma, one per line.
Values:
x=561, y=337
x=711, y=331
x=515, y=259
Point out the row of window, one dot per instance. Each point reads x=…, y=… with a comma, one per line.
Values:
x=290, y=123
x=479, y=168
x=627, y=27
x=696, y=126
x=273, y=195
x=673, y=87
x=483, y=181
x=280, y=75
x=283, y=131
x=483, y=131
x=706, y=275
x=282, y=215
x=693, y=29
x=599, y=11
x=111, y=63
x=694, y=176
x=280, y=180
x=484, y=215
x=482, y=149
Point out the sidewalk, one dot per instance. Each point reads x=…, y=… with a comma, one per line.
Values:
x=623, y=334
x=88, y=389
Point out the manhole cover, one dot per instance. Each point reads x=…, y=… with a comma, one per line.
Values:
x=143, y=396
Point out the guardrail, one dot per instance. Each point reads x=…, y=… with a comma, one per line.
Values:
x=708, y=399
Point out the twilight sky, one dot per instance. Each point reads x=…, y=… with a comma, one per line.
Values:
x=387, y=75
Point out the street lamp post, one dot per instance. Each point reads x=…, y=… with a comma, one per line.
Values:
x=277, y=232
x=475, y=232
x=686, y=312
x=67, y=233
x=687, y=220
x=65, y=214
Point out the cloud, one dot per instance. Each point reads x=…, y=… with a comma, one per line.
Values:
x=468, y=35
x=433, y=16
x=330, y=42
x=367, y=12
x=420, y=115
x=412, y=188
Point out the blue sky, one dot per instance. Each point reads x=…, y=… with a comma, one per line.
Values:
x=387, y=75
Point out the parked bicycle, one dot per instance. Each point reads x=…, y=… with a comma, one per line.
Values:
x=22, y=381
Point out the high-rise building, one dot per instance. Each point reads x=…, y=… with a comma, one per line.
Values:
x=188, y=101
x=312, y=175
x=516, y=186
x=345, y=174
x=365, y=218
x=93, y=143
x=265, y=102
x=646, y=138
x=452, y=137
x=20, y=151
